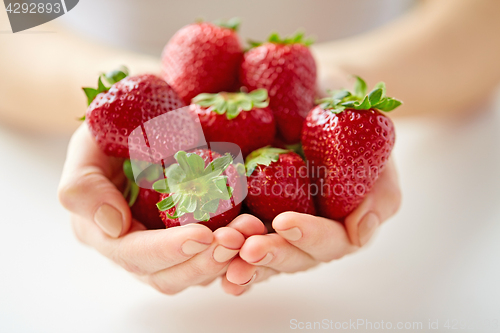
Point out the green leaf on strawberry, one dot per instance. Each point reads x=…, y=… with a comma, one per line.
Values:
x=297, y=38
x=111, y=78
x=232, y=104
x=263, y=156
x=359, y=99
x=232, y=23
x=194, y=188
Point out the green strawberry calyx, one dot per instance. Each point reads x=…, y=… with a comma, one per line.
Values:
x=110, y=78
x=232, y=104
x=232, y=23
x=360, y=99
x=297, y=38
x=263, y=156
x=194, y=188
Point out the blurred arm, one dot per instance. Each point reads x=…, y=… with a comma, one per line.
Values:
x=41, y=75
x=440, y=58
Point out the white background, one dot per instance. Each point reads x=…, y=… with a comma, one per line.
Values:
x=437, y=259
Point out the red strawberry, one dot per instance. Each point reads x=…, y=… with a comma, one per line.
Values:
x=286, y=68
x=145, y=211
x=202, y=58
x=240, y=118
x=347, y=142
x=203, y=187
x=117, y=111
x=277, y=182
x=142, y=199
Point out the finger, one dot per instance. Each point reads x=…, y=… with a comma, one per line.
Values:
x=240, y=276
x=248, y=225
x=146, y=251
x=380, y=203
x=86, y=189
x=275, y=252
x=203, y=267
x=321, y=238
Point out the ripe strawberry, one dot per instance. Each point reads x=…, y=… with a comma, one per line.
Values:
x=145, y=211
x=203, y=187
x=114, y=112
x=202, y=58
x=347, y=142
x=277, y=182
x=286, y=68
x=141, y=197
x=240, y=118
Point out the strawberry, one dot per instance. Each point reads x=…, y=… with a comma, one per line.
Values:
x=347, y=141
x=114, y=112
x=277, y=182
x=286, y=68
x=145, y=211
x=202, y=58
x=203, y=187
x=142, y=198
x=240, y=118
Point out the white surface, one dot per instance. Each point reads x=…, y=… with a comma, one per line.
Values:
x=437, y=259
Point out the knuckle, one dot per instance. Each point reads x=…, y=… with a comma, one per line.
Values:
x=82, y=182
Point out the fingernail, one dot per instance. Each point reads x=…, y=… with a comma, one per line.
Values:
x=191, y=247
x=223, y=254
x=293, y=234
x=109, y=220
x=249, y=281
x=266, y=260
x=367, y=227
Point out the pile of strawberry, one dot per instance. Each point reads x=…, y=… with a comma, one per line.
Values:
x=300, y=157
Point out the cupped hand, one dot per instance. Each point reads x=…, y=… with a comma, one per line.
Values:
x=171, y=259
x=303, y=241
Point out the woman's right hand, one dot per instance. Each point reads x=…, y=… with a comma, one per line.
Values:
x=171, y=259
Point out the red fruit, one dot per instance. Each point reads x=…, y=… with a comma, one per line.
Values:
x=117, y=111
x=202, y=58
x=202, y=187
x=286, y=68
x=142, y=199
x=277, y=182
x=145, y=211
x=240, y=118
x=347, y=142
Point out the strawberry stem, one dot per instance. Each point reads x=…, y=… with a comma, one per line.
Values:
x=360, y=99
x=232, y=104
x=194, y=188
x=232, y=23
x=263, y=156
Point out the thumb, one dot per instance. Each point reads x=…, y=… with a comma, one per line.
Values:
x=88, y=185
x=380, y=203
